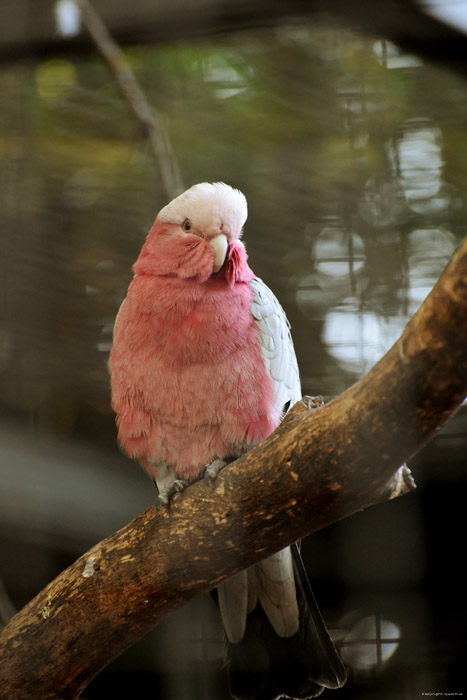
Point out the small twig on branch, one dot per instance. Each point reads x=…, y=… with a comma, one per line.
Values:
x=318, y=467
x=151, y=120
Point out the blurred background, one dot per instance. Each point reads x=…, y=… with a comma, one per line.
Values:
x=348, y=135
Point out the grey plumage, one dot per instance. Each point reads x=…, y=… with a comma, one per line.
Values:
x=279, y=647
x=276, y=344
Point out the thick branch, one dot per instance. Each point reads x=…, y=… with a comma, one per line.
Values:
x=318, y=467
x=402, y=21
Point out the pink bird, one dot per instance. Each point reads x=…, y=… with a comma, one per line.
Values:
x=202, y=369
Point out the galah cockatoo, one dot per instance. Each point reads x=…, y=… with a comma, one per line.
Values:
x=202, y=369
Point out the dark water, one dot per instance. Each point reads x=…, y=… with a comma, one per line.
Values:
x=352, y=156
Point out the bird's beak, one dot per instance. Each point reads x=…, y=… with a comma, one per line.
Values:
x=219, y=248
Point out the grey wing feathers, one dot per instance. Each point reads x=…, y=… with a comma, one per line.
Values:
x=276, y=345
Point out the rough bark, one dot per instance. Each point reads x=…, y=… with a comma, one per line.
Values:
x=318, y=467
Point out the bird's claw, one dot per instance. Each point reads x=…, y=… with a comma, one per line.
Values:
x=211, y=471
x=313, y=402
x=167, y=493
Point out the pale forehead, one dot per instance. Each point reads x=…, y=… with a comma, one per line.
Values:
x=206, y=205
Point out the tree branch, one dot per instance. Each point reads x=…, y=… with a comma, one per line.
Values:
x=318, y=467
x=151, y=120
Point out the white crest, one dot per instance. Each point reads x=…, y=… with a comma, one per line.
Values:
x=211, y=208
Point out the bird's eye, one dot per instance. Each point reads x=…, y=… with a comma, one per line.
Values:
x=187, y=225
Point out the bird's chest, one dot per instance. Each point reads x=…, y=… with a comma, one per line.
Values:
x=203, y=328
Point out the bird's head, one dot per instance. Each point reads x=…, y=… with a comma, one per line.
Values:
x=197, y=234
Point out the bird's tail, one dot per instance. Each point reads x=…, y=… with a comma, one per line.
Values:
x=264, y=666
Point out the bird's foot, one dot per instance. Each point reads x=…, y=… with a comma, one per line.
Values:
x=168, y=491
x=211, y=471
x=313, y=402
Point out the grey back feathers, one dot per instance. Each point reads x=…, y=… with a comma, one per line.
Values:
x=276, y=345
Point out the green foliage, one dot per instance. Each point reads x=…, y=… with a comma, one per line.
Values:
x=303, y=119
